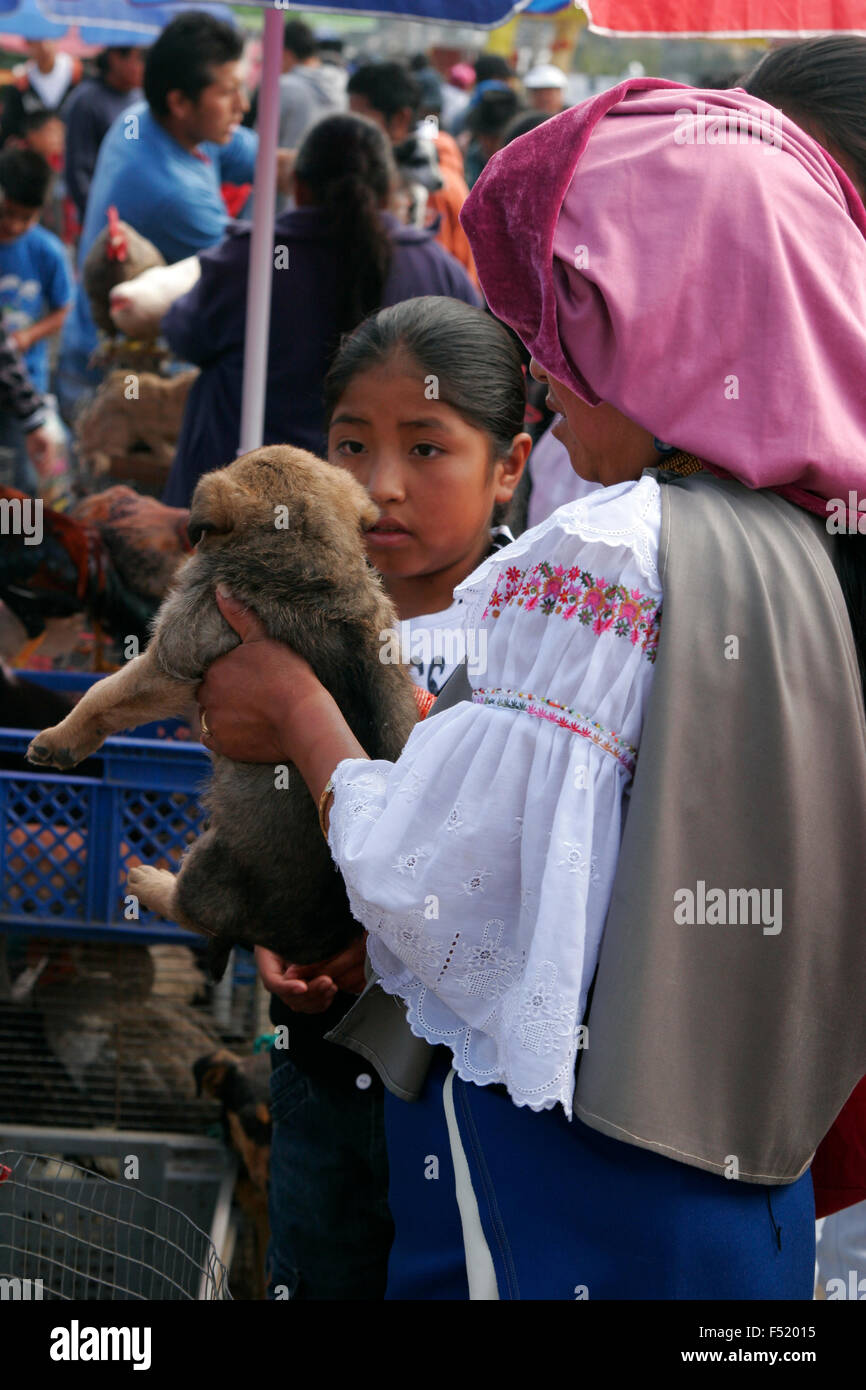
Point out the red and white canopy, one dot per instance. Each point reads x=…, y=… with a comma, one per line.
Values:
x=724, y=19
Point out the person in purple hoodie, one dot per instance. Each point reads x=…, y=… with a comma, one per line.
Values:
x=338, y=256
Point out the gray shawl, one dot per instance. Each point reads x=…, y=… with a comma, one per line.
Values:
x=727, y=1026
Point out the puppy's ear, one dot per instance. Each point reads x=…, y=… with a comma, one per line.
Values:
x=347, y=497
x=217, y=505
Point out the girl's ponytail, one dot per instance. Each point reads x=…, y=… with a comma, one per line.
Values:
x=346, y=163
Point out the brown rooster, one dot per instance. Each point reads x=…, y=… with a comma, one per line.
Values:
x=114, y=556
x=145, y=540
x=118, y=254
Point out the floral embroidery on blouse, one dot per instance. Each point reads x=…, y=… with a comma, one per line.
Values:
x=606, y=739
x=577, y=863
x=575, y=593
x=475, y=882
x=416, y=949
x=413, y=787
x=489, y=970
x=365, y=796
x=543, y=1014
x=408, y=863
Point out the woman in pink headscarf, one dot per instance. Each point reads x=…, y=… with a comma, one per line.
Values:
x=616, y=889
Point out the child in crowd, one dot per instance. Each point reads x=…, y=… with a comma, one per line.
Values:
x=425, y=404
x=45, y=134
x=35, y=290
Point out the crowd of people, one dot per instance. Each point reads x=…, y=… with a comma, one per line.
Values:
x=533, y=1076
x=180, y=170
x=53, y=117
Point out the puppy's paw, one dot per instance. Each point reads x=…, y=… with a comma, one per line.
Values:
x=47, y=751
x=154, y=888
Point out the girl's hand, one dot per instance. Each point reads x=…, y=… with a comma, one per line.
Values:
x=262, y=703
x=249, y=695
x=306, y=996
x=347, y=969
x=311, y=988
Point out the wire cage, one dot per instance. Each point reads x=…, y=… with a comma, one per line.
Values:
x=67, y=1233
x=106, y=1016
x=102, y=1018
x=97, y=1033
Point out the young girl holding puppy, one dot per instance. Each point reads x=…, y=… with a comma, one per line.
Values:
x=438, y=441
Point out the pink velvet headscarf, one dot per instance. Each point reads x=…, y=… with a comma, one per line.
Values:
x=699, y=262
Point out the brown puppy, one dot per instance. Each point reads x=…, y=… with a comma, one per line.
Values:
x=283, y=530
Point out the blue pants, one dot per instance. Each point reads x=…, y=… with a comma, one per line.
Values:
x=328, y=1197
x=569, y=1213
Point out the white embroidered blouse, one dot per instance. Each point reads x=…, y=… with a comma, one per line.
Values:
x=482, y=861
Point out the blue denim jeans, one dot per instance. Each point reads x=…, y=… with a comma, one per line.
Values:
x=331, y=1228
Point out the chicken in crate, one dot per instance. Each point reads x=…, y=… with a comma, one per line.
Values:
x=129, y=429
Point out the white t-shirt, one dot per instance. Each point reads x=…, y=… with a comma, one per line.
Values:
x=434, y=644
x=51, y=87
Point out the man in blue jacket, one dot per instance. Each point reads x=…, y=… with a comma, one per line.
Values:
x=162, y=164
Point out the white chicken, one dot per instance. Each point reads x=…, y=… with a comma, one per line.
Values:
x=137, y=306
x=119, y=253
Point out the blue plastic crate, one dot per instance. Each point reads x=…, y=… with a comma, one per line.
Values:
x=67, y=840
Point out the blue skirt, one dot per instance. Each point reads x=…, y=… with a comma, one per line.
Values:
x=568, y=1213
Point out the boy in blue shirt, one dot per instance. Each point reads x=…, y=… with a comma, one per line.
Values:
x=35, y=290
x=162, y=164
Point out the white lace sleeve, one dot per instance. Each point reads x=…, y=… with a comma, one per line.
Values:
x=482, y=861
